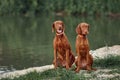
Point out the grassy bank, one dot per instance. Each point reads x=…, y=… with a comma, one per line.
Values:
x=107, y=69
x=69, y=7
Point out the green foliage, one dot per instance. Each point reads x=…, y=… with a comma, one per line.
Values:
x=59, y=74
x=70, y=7
x=108, y=62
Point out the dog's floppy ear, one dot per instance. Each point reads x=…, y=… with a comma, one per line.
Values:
x=53, y=27
x=78, y=29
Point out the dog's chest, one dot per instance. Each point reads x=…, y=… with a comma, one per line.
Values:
x=83, y=44
x=83, y=47
x=62, y=44
x=83, y=64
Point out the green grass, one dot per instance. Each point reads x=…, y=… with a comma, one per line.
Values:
x=108, y=62
x=107, y=66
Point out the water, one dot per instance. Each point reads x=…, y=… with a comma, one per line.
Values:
x=27, y=41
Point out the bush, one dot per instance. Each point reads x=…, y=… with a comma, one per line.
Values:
x=70, y=7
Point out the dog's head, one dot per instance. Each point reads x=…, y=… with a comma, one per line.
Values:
x=82, y=29
x=58, y=27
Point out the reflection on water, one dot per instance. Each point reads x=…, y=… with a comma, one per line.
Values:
x=27, y=42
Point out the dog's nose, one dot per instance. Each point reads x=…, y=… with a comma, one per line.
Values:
x=86, y=32
x=60, y=27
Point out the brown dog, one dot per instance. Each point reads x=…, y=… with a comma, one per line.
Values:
x=62, y=50
x=84, y=59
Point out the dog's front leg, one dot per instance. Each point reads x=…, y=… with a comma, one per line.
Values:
x=67, y=59
x=89, y=66
x=78, y=63
x=55, y=59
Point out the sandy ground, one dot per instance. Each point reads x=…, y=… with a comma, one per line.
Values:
x=98, y=53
